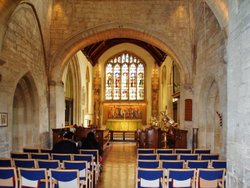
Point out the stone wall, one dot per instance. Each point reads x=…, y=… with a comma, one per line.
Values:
x=22, y=50
x=209, y=73
x=238, y=138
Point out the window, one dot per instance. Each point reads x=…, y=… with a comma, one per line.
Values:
x=124, y=78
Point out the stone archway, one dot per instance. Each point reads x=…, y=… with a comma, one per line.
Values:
x=25, y=128
x=210, y=131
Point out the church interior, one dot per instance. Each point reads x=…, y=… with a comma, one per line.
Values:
x=134, y=72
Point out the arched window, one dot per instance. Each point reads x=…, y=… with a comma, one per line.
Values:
x=124, y=77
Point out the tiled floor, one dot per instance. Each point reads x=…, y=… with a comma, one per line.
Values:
x=119, y=166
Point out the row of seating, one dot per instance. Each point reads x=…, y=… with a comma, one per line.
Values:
x=72, y=176
x=180, y=178
x=179, y=164
x=22, y=155
x=177, y=157
x=37, y=150
x=171, y=151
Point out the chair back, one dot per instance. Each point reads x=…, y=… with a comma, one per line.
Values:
x=149, y=178
x=164, y=151
x=209, y=157
x=168, y=157
x=64, y=178
x=77, y=165
x=33, y=177
x=183, y=151
x=186, y=157
x=24, y=163
x=31, y=150
x=178, y=164
x=210, y=178
x=219, y=164
x=93, y=152
x=147, y=157
x=61, y=157
x=6, y=162
x=8, y=177
x=148, y=164
x=198, y=164
x=84, y=157
x=202, y=151
x=40, y=156
x=45, y=150
x=19, y=155
x=180, y=178
x=145, y=151
x=48, y=164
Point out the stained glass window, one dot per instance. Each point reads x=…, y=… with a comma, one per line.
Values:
x=124, y=76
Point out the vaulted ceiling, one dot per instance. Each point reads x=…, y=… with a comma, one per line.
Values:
x=95, y=50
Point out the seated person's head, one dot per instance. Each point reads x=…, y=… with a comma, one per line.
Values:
x=91, y=135
x=68, y=135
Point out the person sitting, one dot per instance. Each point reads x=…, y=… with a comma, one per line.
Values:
x=90, y=143
x=67, y=145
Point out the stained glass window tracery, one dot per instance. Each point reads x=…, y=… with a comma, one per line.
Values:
x=124, y=78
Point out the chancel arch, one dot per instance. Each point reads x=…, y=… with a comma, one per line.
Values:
x=25, y=128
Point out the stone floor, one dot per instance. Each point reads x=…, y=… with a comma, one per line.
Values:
x=119, y=166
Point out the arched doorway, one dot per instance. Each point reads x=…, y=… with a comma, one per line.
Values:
x=25, y=128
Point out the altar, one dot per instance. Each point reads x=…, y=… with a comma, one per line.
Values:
x=123, y=124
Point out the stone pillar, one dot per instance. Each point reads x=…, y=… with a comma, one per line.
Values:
x=57, y=105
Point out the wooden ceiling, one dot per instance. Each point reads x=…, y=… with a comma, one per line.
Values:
x=95, y=50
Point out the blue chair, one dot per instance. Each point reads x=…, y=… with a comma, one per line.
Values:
x=198, y=164
x=90, y=164
x=219, y=164
x=202, y=151
x=31, y=150
x=148, y=164
x=61, y=157
x=8, y=177
x=183, y=151
x=149, y=178
x=40, y=156
x=6, y=162
x=95, y=153
x=48, y=164
x=177, y=164
x=187, y=157
x=145, y=151
x=24, y=163
x=64, y=178
x=180, y=178
x=164, y=151
x=83, y=171
x=19, y=155
x=168, y=157
x=147, y=157
x=209, y=157
x=45, y=150
x=33, y=177
x=213, y=178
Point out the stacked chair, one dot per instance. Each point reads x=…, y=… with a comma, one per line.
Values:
x=179, y=168
x=38, y=168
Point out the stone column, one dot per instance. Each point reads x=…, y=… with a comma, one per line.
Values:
x=56, y=104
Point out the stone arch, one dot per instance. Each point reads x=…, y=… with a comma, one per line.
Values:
x=210, y=131
x=25, y=127
x=115, y=30
x=220, y=10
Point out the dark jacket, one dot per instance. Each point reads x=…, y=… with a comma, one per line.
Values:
x=65, y=146
x=91, y=143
